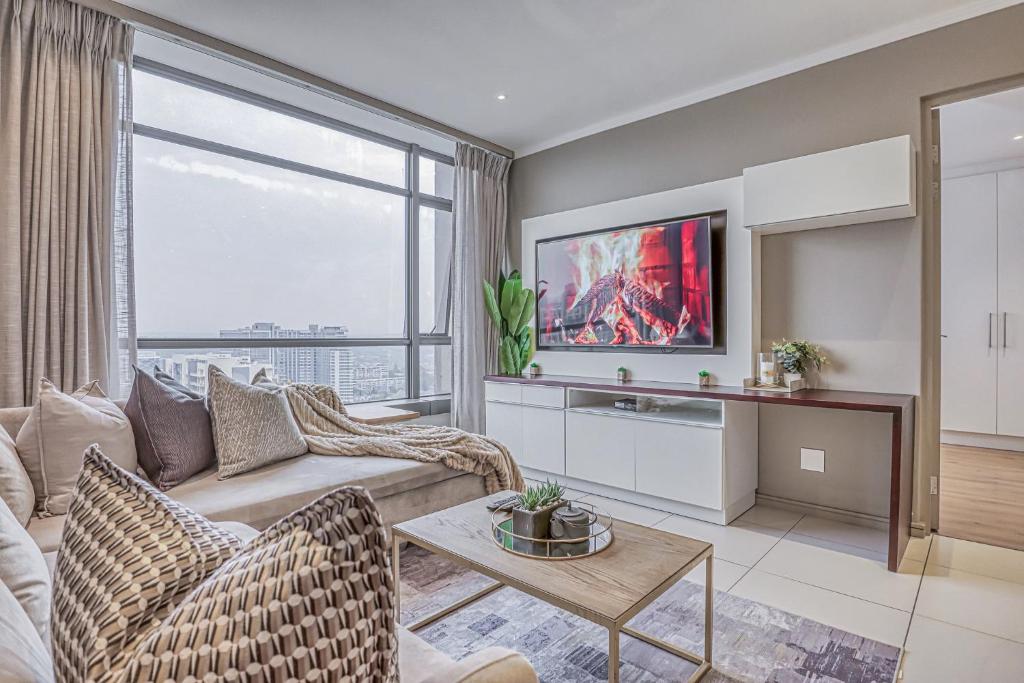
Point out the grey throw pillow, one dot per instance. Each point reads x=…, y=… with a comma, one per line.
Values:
x=172, y=430
x=175, y=384
x=15, y=487
x=253, y=425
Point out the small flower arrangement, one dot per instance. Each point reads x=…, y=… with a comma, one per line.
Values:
x=799, y=355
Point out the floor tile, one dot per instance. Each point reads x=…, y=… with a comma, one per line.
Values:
x=937, y=651
x=978, y=558
x=739, y=543
x=842, y=548
x=844, y=570
x=628, y=512
x=869, y=538
x=917, y=549
x=725, y=574
x=977, y=602
x=771, y=517
x=850, y=614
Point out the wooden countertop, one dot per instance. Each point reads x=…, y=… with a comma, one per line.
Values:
x=867, y=401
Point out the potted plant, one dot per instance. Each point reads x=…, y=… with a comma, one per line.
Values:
x=531, y=517
x=534, y=369
x=511, y=310
x=623, y=374
x=704, y=378
x=798, y=356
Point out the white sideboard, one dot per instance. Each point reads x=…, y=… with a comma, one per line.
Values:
x=691, y=456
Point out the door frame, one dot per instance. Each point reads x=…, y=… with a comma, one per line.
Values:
x=929, y=424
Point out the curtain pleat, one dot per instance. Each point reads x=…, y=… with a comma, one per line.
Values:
x=481, y=214
x=64, y=70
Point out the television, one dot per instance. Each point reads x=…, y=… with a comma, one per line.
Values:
x=647, y=286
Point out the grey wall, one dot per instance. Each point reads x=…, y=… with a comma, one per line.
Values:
x=857, y=290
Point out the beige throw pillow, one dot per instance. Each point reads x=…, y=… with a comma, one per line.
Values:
x=253, y=425
x=23, y=570
x=15, y=486
x=56, y=434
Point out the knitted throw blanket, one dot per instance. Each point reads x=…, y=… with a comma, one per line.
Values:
x=328, y=430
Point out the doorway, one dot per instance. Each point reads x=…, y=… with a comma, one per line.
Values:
x=981, y=209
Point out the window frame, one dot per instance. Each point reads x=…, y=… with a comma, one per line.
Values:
x=412, y=339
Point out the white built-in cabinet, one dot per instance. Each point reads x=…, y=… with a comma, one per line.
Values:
x=983, y=303
x=695, y=457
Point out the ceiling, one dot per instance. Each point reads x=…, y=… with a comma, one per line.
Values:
x=568, y=68
x=982, y=130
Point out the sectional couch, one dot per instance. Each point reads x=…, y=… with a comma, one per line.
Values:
x=245, y=503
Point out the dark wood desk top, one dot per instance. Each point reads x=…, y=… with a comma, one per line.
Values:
x=867, y=401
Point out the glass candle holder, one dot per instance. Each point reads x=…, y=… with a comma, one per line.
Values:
x=767, y=369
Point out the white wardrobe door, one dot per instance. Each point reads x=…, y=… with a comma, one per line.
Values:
x=1011, y=303
x=969, y=286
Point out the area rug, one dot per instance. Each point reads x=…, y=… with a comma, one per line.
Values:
x=753, y=642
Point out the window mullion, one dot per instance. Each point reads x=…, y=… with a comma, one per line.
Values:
x=412, y=314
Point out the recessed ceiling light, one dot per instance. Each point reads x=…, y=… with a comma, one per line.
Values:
x=501, y=96
x=1015, y=137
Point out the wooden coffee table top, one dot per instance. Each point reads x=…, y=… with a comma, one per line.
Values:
x=608, y=588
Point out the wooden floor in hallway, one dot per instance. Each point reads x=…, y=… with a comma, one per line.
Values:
x=982, y=495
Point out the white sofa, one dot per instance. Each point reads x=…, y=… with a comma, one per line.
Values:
x=401, y=489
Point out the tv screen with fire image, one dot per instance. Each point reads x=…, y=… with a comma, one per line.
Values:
x=637, y=286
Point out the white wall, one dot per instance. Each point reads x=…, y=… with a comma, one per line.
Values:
x=742, y=284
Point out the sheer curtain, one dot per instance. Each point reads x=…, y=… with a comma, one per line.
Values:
x=481, y=215
x=65, y=217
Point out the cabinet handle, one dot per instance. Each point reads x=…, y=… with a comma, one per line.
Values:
x=1004, y=329
x=990, y=329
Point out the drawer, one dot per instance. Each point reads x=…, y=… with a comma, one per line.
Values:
x=545, y=397
x=506, y=392
x=680, y=462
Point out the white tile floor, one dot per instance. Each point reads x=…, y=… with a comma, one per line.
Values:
x=956, y=607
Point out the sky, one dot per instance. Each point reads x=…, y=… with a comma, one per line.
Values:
x=221, y=242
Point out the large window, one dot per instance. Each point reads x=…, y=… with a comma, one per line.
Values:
x=271, y=237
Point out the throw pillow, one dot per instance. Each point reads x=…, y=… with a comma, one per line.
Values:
x=57, y=432
x=15, y=486
x=311, y=598
x=23, y=656
x=171, y=382
x=128, y=554
x=253, y=425
x=172, y=431
x=23, y=570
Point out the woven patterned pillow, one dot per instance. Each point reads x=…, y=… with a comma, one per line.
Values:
x=309, y=599
x=253, y=425
x=128, y=554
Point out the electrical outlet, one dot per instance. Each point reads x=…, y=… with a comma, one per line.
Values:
x=934, y=486
x=812, y=459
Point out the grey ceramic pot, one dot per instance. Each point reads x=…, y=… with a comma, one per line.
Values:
x=535, y=524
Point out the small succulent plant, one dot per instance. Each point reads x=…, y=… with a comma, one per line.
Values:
x=540, y=496
x=703, y=373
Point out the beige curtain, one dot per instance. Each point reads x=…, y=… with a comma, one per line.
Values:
x=481, y=215
x=64, y=169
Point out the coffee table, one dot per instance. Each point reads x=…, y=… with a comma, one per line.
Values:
x=609, y=588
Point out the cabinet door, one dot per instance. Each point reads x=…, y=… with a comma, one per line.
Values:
x=680, y=462
x=969, y=347
x=543, y=439
x=1010, y=340
x=600, y=448
x=505, y=423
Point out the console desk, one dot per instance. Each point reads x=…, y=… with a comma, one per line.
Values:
x=582, y=396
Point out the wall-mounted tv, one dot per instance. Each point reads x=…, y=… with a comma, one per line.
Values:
x=656, y=285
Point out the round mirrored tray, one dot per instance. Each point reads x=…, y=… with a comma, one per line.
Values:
x=597, y=536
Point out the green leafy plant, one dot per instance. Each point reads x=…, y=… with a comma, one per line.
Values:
x=799, y=355
x=703, y=373
x=534, y=365
x=511, y=309
x=540, y=496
